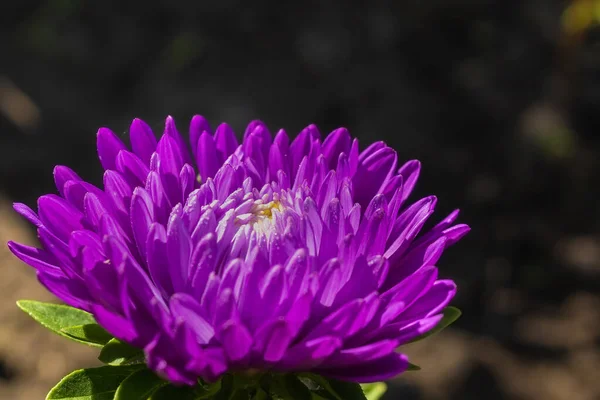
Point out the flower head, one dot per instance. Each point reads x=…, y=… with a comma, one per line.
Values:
x=276, y=254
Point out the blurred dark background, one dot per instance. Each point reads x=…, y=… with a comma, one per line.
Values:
x=500, y=100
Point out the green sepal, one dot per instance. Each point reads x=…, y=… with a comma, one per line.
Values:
x=199, y=392
x=91, y=334
x=451, y=314
x=57, y=317
x=116, y=352
x=91, y=383
x=139, y=386
x=227, y=389
x=332, y=389
x=374, y=391
x=171, y=392
x=261, y=394
x=288, y=386
x=413, y=367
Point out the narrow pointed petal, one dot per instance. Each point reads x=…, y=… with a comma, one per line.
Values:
x=338, y=141
x=225, y=141
x=59, y=216
x=27, y=213
x=143, y=141
x=186, y=307
x=207, y=157
x=375, y=371
x=109, y=146
x=62, y=175
x=198, y=125
x=37, y=258
x=171, y=131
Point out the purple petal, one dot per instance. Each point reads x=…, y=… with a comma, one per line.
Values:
x=279, y=158
x=157, y=258
x=336, y=142
x=133, y=169
x=171, y=131
x=203, y=261
x=363, y=354
x=58, y=216
x=225, y=141
x=342, y=323
x=119, y=193
x=142, y=216
x=38, y=258
x=188, y=309
x=62, y=175
x=109, y=146
x=207, y=157
x=410, y=173
x=27, y=213
x=171, y=161
x=198, y=125
x=68, y=290
x=417, y=258
x=408, y=225
x=143, y=141
x=379, y=370
x=372, y=174
x=273, y=339
x=431, y=302
x=236, y=340
x=311, y=353
x=302, y=145
x=117, y=325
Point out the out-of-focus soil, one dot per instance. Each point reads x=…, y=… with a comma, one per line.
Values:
x=459, y=365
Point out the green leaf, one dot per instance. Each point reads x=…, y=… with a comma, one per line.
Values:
x=92, y=334
x=451, y=314
x=56, y=317
x=227, y=389
x=413, y=367
x=139, y=386
x=288, y=386
x=374, y=391
x=91, y=384
x=116, y=352
x=171, y=392
x=207, y=390
x=199, y=392
x=332, y=389
x=261, y=395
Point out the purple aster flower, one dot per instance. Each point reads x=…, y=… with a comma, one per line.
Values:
x=274, y=254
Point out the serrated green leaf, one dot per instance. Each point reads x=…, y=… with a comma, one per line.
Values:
x=374, y=391
x=91, y=334
x=451, y=314
x=332, y=389
x=139, y=386
x=91, y=384
x=116, y=352
x=56, y=317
